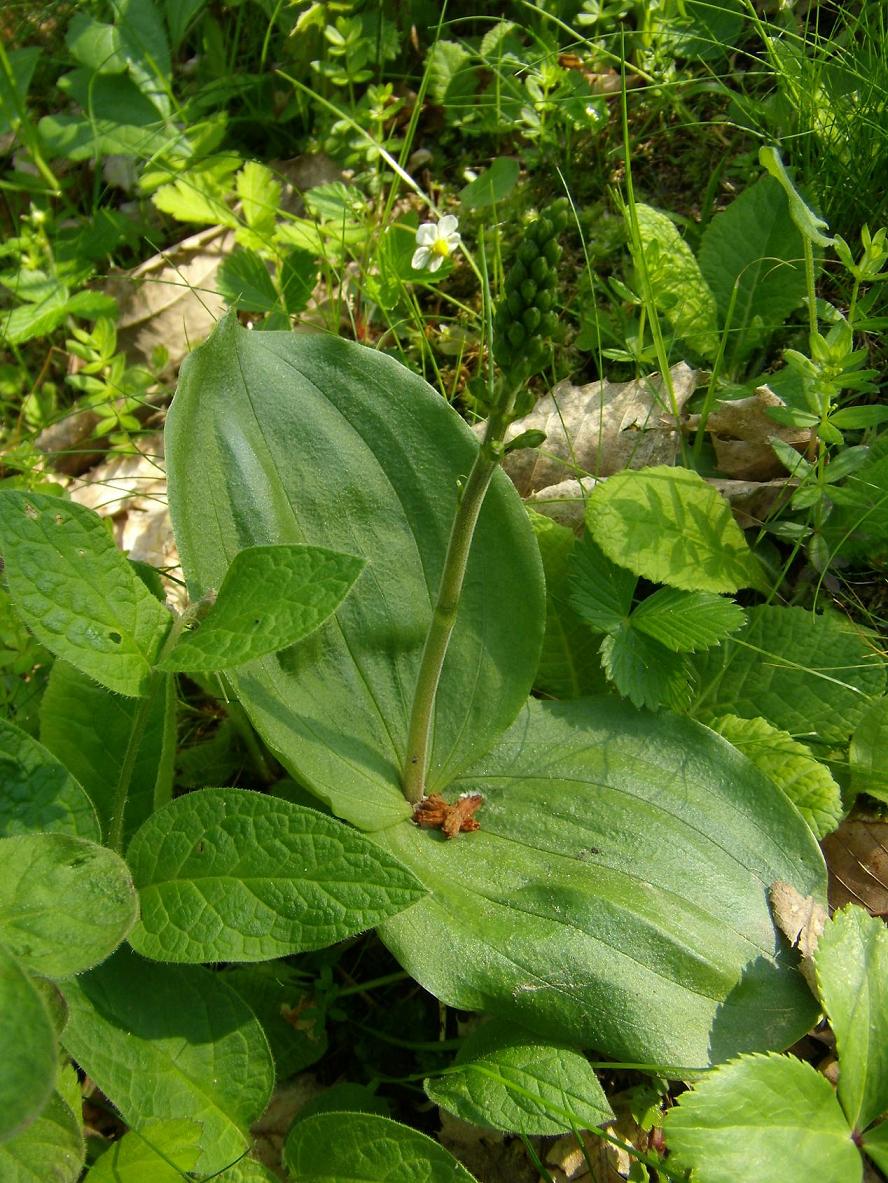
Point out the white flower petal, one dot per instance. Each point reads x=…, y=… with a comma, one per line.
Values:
x=447, y=225
x=436, y=262
x=420, y=259
x=426, y=234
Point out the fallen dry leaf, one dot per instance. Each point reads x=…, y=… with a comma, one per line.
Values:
x=857, y=859
x=488, y=1154
x=131, y=490
x=801, y=920
x=741, y=432
x=599, y=429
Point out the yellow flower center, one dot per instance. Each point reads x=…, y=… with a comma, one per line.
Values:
x=441, y=247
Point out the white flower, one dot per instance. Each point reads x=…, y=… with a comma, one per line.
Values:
x=435, y=242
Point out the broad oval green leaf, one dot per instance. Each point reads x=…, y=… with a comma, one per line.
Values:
x=88, y=728
x=667, y=525
x=77, y=593
x=616, y=894
x=39, y=793
x=365, y=1148
x=751, y=257
x=271, y=597
x=65, y=903
x=375, y=474
x=171, y=1042
x=852, y=977
x=231, y=875
x=510, y=1081
x=51, y=1148
x=767, y=1118
x=808, y=674
x=30, y=1055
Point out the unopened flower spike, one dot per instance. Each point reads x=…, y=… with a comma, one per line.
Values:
x=435, y=242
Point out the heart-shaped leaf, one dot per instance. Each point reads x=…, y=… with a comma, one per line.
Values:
x=229, y=875
x=171, y=1042
x=375, y=474
x=616, y=893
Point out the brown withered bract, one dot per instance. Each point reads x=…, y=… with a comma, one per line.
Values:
x=434, y=813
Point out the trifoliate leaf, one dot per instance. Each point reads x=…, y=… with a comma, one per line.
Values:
x=644, y=671
x=687, y=621
x=601, y=592
x=768, y=1118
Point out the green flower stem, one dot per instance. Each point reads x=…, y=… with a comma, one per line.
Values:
x=471, y=499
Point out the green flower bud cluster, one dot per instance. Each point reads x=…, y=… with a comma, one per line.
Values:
x=525, y=317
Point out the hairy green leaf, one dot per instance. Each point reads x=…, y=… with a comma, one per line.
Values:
x=76, y=591
x=50, y=1148
x=806, y=674
x=65, y=903
x=790, y=765
x=365, y=1148
x=687, y=621
x=852, y=978
x=30, y=1055
x=39, y=793
x=768, y=1118
x=230, y=875
x=678, y=287
x=271, y=597
x=510, y=1081
x=669, y=526
x=171, y=1042
x=616, y=894
x=377, y=478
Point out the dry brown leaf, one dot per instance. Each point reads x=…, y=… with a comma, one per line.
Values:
x=801, y=920
x=171, y=300
x=271, y=1129
x=488, y=1154
x=857, y=859
x=131, y=490
x=754, y=502
x=741, y=432
x=600, y=428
